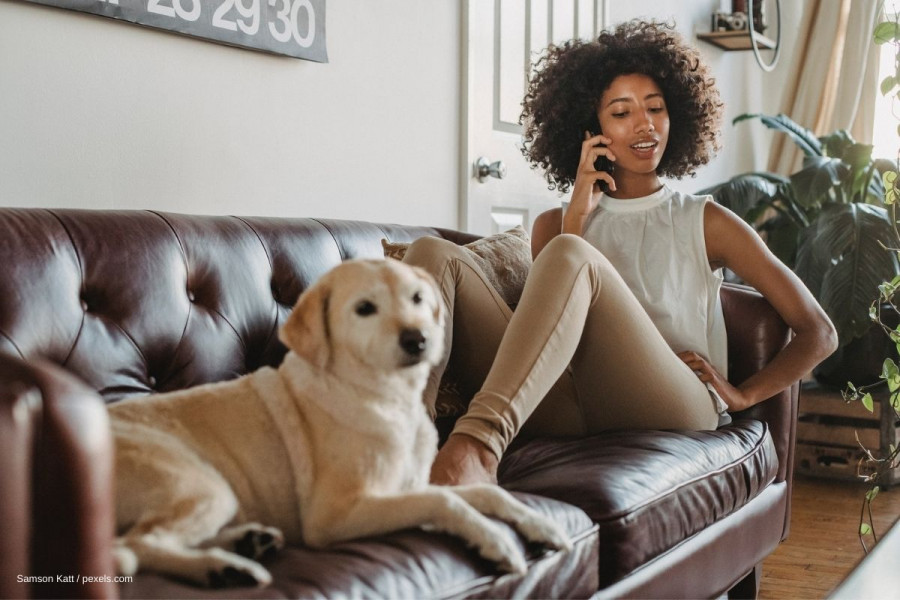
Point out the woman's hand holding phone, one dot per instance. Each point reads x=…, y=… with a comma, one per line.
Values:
x=593, y=177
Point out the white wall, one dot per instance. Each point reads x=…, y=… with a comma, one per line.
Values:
x=100, y=114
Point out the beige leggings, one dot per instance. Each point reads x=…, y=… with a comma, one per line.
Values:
x=579, y=355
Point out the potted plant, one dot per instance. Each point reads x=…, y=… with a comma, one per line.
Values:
x=828, y=222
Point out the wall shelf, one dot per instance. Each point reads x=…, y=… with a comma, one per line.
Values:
x=736, y=40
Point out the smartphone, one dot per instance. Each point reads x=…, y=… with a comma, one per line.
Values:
x=603, y=164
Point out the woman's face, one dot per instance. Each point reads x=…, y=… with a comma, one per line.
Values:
x=632, y=113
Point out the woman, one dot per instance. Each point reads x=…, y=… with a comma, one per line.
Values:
x=620, y=323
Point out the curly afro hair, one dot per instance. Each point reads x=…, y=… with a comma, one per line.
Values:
x=562, y=98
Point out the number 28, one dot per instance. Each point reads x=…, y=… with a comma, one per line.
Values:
x=288, y=16
x=177, y=7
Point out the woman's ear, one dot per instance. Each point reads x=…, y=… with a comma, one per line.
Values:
x=306, y=330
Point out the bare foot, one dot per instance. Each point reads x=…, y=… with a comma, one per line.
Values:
x=464, y=460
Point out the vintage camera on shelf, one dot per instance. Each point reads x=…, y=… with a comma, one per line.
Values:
x=722, y=21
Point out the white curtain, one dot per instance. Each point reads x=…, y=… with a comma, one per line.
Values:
x=835, y=71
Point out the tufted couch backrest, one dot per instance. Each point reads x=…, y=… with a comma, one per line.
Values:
x=141, y=301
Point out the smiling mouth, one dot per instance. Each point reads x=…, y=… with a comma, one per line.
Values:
x=644, y=146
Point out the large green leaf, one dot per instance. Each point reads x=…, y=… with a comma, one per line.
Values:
x=869, y=188
x=841, y=261
x=818, y=180
x=857, y=184
x=805, y=139
x=799, y=213
x=782, y=235
x=743, y=193
x=858, y=156
x=836, y=144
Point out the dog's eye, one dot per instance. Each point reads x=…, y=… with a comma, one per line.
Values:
x=366, y=308
x=417, y=298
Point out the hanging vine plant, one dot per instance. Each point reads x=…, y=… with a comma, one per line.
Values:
x=873, y=467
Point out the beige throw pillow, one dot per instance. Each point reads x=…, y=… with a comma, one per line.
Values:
x=505, y=259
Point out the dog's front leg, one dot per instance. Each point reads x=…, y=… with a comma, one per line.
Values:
x=250, y=540
x=497, y=502
x=434, y=508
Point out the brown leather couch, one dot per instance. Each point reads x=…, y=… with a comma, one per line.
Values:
x=96, y=306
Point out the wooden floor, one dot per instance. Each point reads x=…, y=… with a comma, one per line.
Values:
x=823, y=546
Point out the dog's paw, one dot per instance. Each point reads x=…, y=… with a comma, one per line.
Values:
x=232, y=577
x=544, y=533
x=250, y=540
x=513, y=563
x=498, y=547
x=259, y=542
x=125, y=559
x=228, y=571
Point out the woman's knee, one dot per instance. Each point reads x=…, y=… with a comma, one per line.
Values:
x=432, y=252
x=571, y=250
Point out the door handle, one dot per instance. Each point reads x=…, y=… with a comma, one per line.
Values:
x=484, y=169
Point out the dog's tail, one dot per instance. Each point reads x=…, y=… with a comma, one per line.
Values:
x=125, y=558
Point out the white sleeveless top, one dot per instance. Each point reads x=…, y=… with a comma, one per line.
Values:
x=657, y=245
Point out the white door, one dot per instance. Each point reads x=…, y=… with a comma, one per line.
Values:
x=500, y=39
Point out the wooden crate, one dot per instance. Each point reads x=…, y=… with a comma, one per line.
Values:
x=829, y=433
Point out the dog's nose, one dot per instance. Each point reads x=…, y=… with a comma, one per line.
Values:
x=412, y=341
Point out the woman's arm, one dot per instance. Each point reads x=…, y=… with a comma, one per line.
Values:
x=585, y=191
x=546, y=226
x=585, y=194
x=731, y=243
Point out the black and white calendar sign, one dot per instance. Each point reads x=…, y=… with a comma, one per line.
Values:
x=290, y=27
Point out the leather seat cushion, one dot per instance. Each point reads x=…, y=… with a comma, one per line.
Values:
x=411, y=564
x=647, y=490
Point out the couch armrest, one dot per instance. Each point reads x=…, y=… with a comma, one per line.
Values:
x=756, y=333
x=58, y=468
x=19, y=419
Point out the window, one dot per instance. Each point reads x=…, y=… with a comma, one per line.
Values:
x=886, y=138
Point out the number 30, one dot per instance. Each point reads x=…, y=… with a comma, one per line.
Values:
x=288, y=15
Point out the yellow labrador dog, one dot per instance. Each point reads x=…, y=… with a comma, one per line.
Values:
x=333, y=445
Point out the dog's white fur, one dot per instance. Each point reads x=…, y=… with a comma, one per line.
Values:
x=335, y=444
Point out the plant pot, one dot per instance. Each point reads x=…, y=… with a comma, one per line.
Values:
x=860, y=362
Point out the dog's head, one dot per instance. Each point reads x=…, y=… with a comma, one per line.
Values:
x=379, y=313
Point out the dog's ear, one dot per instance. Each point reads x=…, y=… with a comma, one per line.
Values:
x=439, y=305
x=306, y=330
